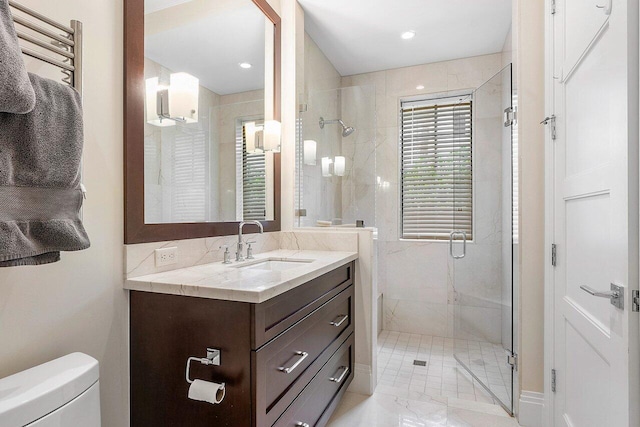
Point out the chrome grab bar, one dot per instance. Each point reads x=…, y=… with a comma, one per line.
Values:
x=464, y=243
x=336, y=324
x=291, y=368
x=341, y=377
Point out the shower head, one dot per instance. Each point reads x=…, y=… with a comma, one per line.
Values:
x=346, y=130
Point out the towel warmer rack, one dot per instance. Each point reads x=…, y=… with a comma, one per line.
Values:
x=43, y=33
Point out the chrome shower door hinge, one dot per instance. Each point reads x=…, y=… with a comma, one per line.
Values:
x=554, y=254
x=509, y=117
x=553, y=380
x=512, y=359
x=635, y=301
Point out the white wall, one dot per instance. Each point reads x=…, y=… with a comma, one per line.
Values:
x=529, y=45
x=78, y=304
x=421, y=300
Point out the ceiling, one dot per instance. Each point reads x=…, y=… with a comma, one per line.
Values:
x=360, y=36
x=208, y=40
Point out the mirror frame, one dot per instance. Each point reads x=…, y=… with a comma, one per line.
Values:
x=135, y=228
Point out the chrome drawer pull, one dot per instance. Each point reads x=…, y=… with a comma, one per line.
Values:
x=341, y=377
x=290, y=369
x=301, y=424
x=336, y=324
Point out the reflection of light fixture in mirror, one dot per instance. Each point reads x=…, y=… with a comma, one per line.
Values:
x=177, y=103
x=272, y=134
x=339, y=165
x=309, y=148
x=254, y=137
x=152, y=88
x=326, y=163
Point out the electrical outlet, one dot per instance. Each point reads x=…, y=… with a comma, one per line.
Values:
x=166, y=256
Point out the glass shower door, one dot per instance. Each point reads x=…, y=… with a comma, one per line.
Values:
x=481, y=245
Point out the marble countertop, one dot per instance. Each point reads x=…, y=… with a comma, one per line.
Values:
x=228, y=282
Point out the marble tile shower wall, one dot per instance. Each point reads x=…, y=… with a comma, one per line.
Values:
x=358, y=109
x=321, y=197
x=417, y=277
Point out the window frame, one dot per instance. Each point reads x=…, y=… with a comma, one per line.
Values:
x=459, y=96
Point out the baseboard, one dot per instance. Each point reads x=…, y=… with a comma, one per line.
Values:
x=362, y=380
x=531, y=405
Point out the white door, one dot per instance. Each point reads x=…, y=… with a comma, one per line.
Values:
x=595, y=222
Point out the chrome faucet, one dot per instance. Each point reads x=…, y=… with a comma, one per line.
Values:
x=239, y=256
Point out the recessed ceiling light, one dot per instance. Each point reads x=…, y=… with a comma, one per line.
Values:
x=407, y=35
x=420, y=87
x=245, y=65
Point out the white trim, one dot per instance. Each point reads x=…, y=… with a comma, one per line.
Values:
x=548, y=406
x=531, y=409
x=362, y=380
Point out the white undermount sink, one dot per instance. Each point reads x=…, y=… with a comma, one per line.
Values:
x=274, y=264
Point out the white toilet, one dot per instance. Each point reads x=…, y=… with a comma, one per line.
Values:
x=62, y=393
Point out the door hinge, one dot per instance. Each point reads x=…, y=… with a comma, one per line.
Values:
x=551, y=120
x=553, y=7
x=512, y=360
x=553, y=380
x=509, y=116
x=554, y=254
x=635, y=301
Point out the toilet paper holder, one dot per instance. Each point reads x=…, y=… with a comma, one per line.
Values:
x=213, y=358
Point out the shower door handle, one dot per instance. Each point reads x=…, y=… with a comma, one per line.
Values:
x=464, y=244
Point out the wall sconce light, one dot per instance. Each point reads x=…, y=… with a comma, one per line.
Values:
x=176, y=103
x=310, y=148
x=326, y=165
x=339, y=165
x=272, y=135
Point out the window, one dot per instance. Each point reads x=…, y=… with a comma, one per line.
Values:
x=252, y=177
x=436, y=160
x=189, y=176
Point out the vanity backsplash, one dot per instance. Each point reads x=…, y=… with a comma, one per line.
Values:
x=140, y=258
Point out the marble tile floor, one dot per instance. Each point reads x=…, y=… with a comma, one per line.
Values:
x=438, y=394
x=442, y=376
x=396, y=407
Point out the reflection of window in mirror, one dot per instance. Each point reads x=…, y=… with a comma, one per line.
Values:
x=251, y=191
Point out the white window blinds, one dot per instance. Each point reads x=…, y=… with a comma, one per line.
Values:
x=436, y=159
x=254, y=195
x=189, y=177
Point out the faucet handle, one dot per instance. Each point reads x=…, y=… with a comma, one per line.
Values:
x=227, y=254
x=250, y=249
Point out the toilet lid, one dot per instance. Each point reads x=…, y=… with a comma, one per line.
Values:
x=36, y=392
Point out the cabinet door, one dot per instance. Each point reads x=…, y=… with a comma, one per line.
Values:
x=168, y=329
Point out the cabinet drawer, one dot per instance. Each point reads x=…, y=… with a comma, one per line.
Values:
x=286, y=365
x=278, y=314
x=314, y=405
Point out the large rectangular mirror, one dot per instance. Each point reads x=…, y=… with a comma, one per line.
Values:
x=201, y=117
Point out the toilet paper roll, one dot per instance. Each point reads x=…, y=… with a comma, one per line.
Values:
x=206, y=391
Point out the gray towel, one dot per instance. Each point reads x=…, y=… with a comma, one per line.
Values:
x=40, y=195
x=16, y=92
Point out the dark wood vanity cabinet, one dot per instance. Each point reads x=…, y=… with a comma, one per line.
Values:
x=285, y=362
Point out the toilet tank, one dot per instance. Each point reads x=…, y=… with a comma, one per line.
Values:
x=60, y=393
